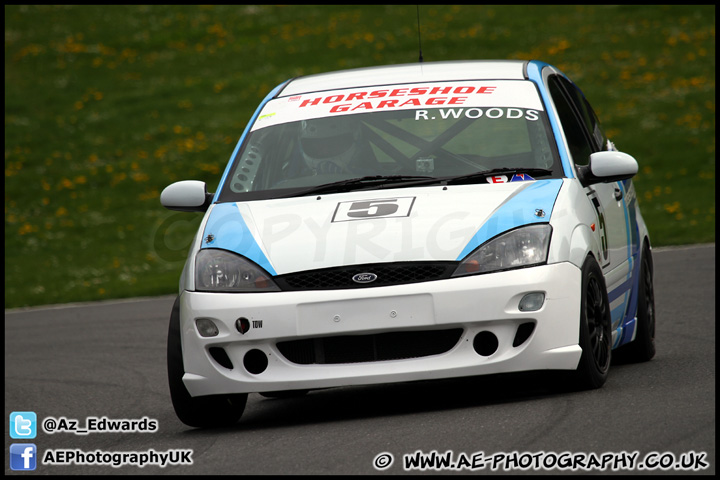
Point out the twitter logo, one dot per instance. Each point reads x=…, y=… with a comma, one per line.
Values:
x=23, y=425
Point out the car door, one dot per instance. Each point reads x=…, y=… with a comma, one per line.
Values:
x=584, y=136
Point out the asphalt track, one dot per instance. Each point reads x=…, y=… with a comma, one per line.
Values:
x=108, y=360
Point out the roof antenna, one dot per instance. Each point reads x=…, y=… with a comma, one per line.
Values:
x=419, y=42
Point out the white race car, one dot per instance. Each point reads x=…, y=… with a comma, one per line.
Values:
x=410, y=222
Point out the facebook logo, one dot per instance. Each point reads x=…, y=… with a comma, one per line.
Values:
x=23, y=425
x=23, y=456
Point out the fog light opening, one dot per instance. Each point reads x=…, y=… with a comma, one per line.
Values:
x=220, y=356
x=255, y=361
x=523, y=333
x=532, y=302
x=206, y=327
x=485, y=343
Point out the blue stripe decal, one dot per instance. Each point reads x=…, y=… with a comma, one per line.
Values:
x=621, y=290
x=269, y=97
x=633, y=242
x=517, y=210
x=628, y=332
x=230, y=232
x=617, y=314
x=625, y=333
x=534, y=73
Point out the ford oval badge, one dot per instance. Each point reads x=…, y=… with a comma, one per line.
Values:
x=364, y=278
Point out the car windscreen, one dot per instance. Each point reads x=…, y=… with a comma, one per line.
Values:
x=408, y=132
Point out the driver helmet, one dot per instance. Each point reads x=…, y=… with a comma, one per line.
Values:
x=328, y=144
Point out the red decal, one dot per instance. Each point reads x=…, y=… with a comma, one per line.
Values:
x=497, y=179
x=429, y=92
x=314, y=101
x=440, y=90
x=387, y=103
x=333, y=99
x=339, y=108
x=412, y=101
x=356, y=96
x=418, y=91
x=464, y=90
x=363, y=106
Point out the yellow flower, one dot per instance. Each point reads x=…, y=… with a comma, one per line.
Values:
x=26, y=228
x=149, y=195
x=672, y=207
x=117, y=178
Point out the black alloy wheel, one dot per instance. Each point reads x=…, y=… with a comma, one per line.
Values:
x=595, y=338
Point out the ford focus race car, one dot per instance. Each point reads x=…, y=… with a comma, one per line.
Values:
x=410, y=222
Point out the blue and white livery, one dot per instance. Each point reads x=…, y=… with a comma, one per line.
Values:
x=410, y=222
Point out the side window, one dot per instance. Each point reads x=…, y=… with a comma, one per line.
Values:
x=595, y=128
x=572, y=123
x=591, y=121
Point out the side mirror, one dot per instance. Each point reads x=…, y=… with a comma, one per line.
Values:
x=186, y=196
x=607, y=167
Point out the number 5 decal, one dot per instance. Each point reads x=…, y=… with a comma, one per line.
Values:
x=381, y=208
x=602, y=230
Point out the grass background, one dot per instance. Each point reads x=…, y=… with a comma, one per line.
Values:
x=107, y=105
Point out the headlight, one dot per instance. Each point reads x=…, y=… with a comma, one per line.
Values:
x=522, y=247
x=223, y=271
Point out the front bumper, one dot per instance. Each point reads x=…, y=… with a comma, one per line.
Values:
x=472, y=304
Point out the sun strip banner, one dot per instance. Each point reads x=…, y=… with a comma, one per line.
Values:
x=486, y=94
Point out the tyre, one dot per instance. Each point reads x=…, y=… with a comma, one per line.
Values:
x=642, y=348
x=202, y=412
x=595, y=338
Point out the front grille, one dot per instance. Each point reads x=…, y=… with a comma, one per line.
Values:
x=370, y=348
x=387, y=274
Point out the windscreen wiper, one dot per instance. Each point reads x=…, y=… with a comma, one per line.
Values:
x=373, y=181
x=361, y=183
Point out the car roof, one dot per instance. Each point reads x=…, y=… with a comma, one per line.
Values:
x=407, y=73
